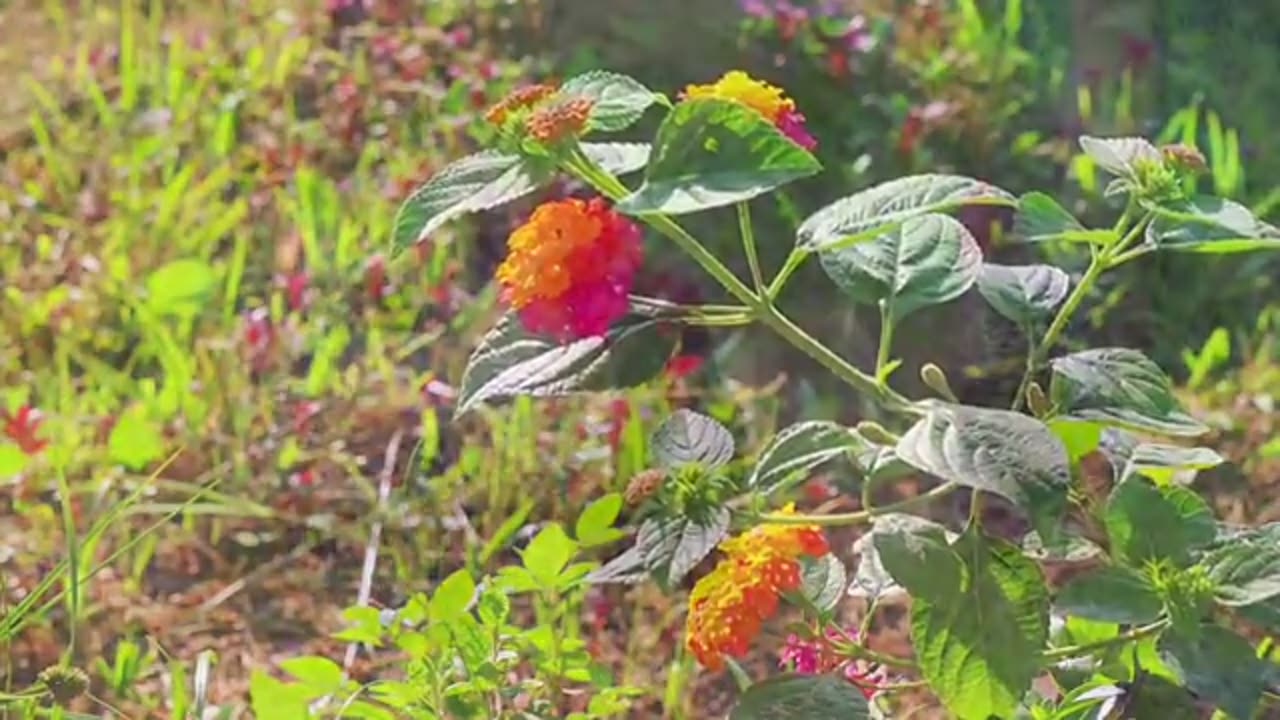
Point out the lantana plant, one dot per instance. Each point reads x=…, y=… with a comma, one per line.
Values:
x=1161, y=592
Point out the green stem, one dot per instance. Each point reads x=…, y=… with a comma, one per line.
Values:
x=1071, y=651
x=793, y=263
x=859, y=517
x=858, y=650
x=886, y=340
x=749, y=247
x=779, y=323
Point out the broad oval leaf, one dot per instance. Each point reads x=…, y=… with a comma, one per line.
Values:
x=1220, y=666
x=1167, y=463
x=619, y=158
x=798, y=449
x=883, y=207
x=1040, y=218
x=690, y=437
x=1025, y=294
x=871, y=580
x=1111, y=594
x=1244, y=574
x=1207, y=224
x=1120, y=155
x=1006, y=453
x=510, y=361
x=618, y=101
x=928, y=260
x=801, y=697
x=474, y=183
x=1148, y=523
x=1122, y=387
x=709, y=153
x=979, y=618
x=666, y=549
x=181, y=287
x=823, y=581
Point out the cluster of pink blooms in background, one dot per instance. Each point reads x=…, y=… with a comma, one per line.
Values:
x=814, y=657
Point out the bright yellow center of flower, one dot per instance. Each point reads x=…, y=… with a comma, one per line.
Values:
x=758, y=95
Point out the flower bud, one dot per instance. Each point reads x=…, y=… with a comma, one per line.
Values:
x=1184, y=157
x=64, y=683
x=1036, y=400
x=876, y=433
x=933, y=376
x=643, y=485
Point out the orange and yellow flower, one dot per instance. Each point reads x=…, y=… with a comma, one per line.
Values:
x=570, y=267
x=557, y=119
x=518, y=99
x=729, y=604
x=762, y=97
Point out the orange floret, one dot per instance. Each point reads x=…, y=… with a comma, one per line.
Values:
x=518, y=99
x=560, y=119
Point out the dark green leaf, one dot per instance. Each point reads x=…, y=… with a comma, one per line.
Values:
x=1121, y=155
x=823, y=581
x=1002, y=452
x=474, y=183
x=1145, y=523
x=1039, y=218
x=688, y=437
x=801, y=697
x=1025, y=294
x=1198, y=524
x=1208, y=224
x=871, y=579
x=881, y=208
x=979, y=618
x=1112, y=594
x=709, y=153
x=1245, y=573
x=1265, y=614
x=511, y=362
x=1119, y=386
x=619, y=101
x=1219, y=666
x=798, y=449
x=619, y=158
x=1164, y=463
x=927, y=260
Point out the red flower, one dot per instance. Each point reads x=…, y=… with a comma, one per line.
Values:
x=22, y=426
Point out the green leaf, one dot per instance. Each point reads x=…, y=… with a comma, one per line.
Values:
x=474, y=183
x=547, y=553
x=823, y=581
x=451, y=598
x=1220, y=666
x=618, y=100
x=1025, y=294
x=510, y=361
x=666, y=549
x=135, y=441
x=688, y=437
x=1121, y=155
x=1245, y=573
x=1265, y=614
x=1040, y=218
x=1145, y=523
x=1162, y=463
x=318, y=673
x=493, y=607
x=797, y=450
x=927, y=260
x=1206, y=224
x=272, y=699
x=979, y=618
x=181, y=287
x=871, y=580
x=619, y=158
x=709, y=153
x=1079, y=437
x=801, y=697
x=1111, y=594
x=1122, y=387
x=1002, y=452
x=12, y=460
x=881, y=208
x=595, y=524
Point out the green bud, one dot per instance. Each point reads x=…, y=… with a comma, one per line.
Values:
x=876, y=433
x=1037, y=401
x=933, y=376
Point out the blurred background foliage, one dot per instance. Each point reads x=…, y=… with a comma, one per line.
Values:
x=194, y=202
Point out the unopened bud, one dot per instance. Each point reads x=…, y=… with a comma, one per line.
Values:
x=875, y=432
x=1036, y=400
x=64, y=683
x=643, y=485
x=933, y=376
x=1184, y=157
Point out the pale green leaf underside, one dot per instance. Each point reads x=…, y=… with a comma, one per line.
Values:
x=1206, y=224
x=798, y=449
x=618, y=100
x=1025, y=294
x=690, y=437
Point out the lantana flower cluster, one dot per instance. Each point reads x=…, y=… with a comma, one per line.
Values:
x=762, y=97
x=816, y=656
x=729, y=604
